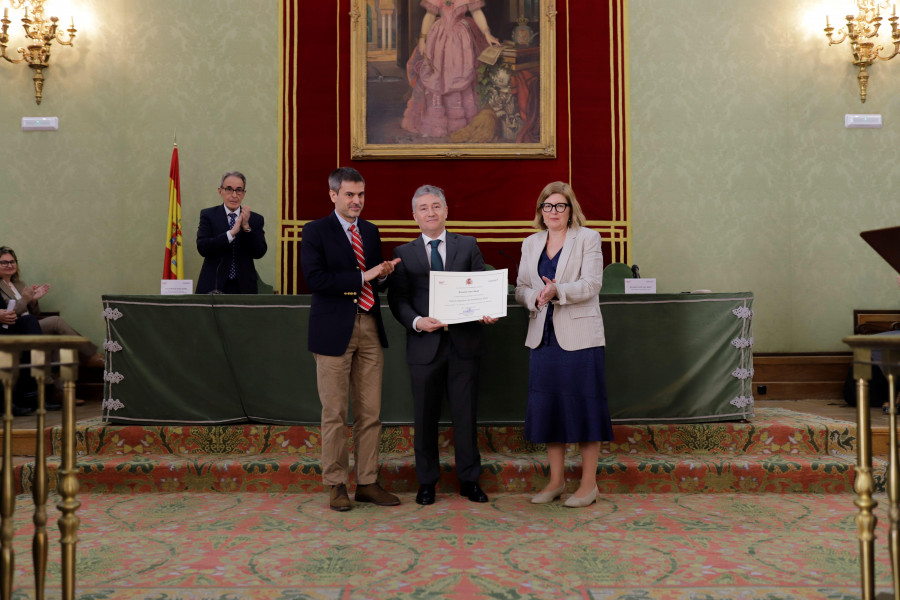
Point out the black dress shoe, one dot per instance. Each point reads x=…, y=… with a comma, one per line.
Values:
x=25, y=404
x=425, y=495
x=470, y=490
x=22, y=411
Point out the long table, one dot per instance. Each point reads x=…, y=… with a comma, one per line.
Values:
x=207, y=359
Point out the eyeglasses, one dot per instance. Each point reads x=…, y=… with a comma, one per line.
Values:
x=231, y=190
x=560, y=208
x=8, y=263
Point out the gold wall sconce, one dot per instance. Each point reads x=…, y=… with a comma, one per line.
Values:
x=40, y=33
x=862, y=31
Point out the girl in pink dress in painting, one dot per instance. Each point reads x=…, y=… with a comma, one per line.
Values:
x=443, y=70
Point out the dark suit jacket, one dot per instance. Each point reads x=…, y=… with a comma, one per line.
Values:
x=408, y=297
x=334, y=278
x=213, y=246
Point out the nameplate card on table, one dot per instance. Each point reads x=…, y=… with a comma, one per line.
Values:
x=459, y=297
x=640, y=286
x=176, y=287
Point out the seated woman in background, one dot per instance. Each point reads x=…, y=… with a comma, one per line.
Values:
x=26, y=303
x=25, y=390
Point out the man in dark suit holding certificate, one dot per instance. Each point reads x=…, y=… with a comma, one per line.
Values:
x=443, y=359
x=341, y=260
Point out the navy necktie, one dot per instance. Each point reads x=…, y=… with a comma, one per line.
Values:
x=232, y=271
x=436, y=263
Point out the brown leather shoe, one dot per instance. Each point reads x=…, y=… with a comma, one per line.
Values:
x=339, y=499
x=375, y=494
x=97, y=361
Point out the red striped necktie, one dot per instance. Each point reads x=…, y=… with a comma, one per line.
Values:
x=366, y=298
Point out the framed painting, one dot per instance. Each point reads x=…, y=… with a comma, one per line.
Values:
x=445, y=79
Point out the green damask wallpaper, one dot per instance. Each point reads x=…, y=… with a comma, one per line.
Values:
x=85, y=207
x=743, y=176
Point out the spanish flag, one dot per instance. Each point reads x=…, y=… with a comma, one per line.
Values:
x=174, y=267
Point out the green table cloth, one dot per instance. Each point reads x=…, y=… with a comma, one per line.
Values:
x=232, y=358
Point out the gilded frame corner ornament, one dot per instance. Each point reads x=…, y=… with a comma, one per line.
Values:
x=360, y=120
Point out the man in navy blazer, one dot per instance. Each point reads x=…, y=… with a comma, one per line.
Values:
x=229, y=239
x=341, y=260
x=443, y=359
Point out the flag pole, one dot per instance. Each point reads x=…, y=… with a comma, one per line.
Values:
x=174, y=258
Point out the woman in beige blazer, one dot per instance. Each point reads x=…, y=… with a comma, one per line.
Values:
x=26, y=297
x=560, y=276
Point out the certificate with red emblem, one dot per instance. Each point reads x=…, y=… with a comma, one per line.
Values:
x=459, y=297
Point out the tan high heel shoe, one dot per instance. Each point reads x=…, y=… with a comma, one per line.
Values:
x=575, y=502
x=548, y=496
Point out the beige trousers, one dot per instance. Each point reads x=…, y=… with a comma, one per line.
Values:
x=357, y=374
x=57, y=326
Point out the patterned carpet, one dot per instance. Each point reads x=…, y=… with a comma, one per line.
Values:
x=779, y=451
x=238, y=512
x=213, y=546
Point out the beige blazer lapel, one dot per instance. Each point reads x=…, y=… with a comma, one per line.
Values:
x=7, y=291
x=539, y=244
x=566, y=253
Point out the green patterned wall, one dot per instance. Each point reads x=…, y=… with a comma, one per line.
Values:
x=743, y=176
x=85, y=207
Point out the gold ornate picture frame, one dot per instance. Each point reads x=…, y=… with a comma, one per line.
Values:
x=400, y=106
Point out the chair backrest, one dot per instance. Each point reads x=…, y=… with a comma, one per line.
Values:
x=263, y=287
x=614, y=276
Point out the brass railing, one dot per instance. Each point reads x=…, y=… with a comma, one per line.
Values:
x=42, y=347
x=882, y=351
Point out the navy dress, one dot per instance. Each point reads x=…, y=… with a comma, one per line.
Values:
x=566, y=389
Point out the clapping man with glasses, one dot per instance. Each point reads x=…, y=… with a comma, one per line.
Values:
x=229, y=239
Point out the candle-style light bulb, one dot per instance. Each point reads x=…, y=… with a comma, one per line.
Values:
x=827, y=22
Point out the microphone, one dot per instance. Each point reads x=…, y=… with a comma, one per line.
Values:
x=510, y=259
x=635, y=272
x=215, y=289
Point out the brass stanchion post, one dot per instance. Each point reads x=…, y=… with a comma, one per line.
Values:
x=41, y=346
x=68, y=481
x=9, y=369
x=40, y=369
x=893, y=477
x=864, y=484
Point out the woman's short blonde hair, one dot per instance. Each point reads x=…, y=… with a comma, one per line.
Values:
x=576, y=217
